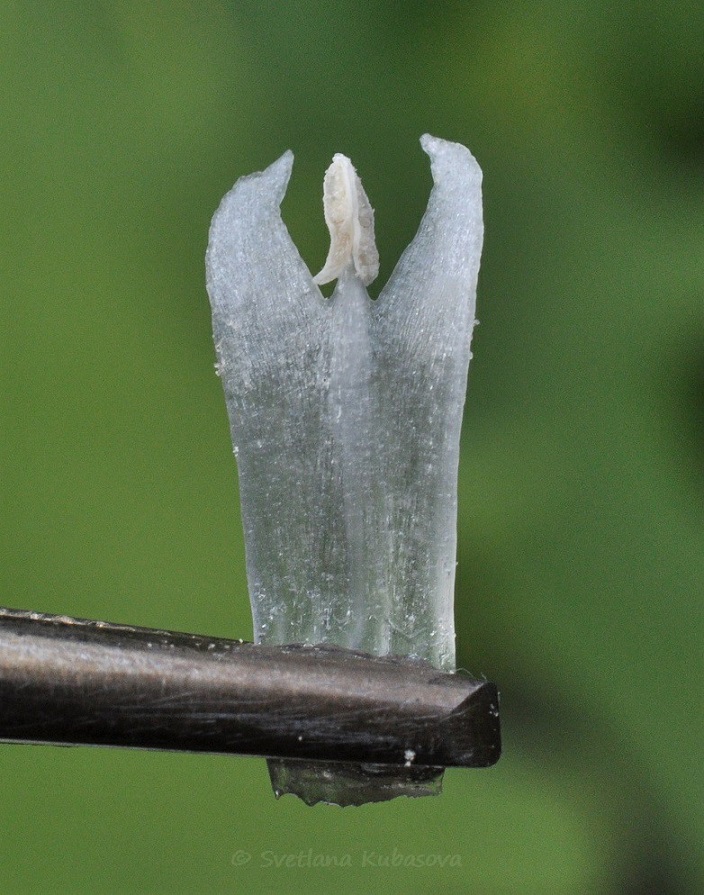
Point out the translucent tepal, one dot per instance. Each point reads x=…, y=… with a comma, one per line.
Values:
x=345, y=416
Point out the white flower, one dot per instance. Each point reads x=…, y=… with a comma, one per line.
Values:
x=345, y=412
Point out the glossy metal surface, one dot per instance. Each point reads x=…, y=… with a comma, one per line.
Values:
x=73, y=681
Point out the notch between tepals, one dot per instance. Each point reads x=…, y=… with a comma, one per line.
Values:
x=350, y=219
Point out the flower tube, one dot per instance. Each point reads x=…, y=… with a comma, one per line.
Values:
x=345, y=415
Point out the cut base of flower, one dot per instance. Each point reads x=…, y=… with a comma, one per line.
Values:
x=343, y=784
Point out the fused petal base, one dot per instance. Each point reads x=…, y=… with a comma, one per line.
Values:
x=341, y=784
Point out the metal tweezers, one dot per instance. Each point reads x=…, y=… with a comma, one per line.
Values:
x=74, y=681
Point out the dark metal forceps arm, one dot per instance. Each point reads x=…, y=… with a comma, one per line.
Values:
x=72, y=681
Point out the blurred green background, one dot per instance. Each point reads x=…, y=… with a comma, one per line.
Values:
x=581, y=559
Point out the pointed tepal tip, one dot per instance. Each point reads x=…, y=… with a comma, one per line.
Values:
x=278, y=174
x=350, y=219
x=252, y=193
x=448, y=159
